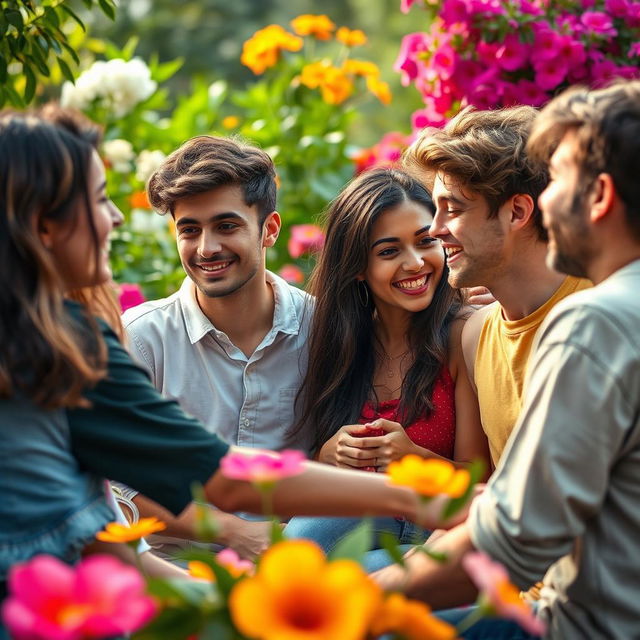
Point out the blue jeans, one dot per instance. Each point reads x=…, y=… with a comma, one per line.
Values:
x=328, y=532
x=487, y=628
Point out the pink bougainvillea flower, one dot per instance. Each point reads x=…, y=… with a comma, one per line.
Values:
x=99, y=598
x=407, y=63
x=423, y=118
x=236, y=566
x=443, y=61
x=130, y=295
x=262, y=468
x=546, y=41
x=512, y=54
x=634, y=50
x=405, y=5
x=291, y=273
x=497, y=594
x=305, y=238
x=524, y=92
x=549, y=73
x=599, y=23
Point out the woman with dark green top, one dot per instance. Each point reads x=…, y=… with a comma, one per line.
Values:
x=74, y=408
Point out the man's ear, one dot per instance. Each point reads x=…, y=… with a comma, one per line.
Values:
x=271, y=229
x=603, y=195
x=521, y=208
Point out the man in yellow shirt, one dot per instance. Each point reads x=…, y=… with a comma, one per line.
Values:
x=485, y=189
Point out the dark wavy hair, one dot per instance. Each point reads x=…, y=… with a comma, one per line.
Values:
x=341, y=352
x=46, y=355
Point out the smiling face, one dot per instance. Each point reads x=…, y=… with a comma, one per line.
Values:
x=71, y=243
x=219, y=240
x=563, y=205
x=473, y=242
x=405, y=263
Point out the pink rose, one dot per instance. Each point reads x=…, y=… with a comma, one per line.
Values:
x=305, y=238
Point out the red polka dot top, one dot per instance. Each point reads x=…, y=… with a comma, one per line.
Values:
x=435, y=432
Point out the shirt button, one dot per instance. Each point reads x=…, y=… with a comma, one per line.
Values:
x=245, y=422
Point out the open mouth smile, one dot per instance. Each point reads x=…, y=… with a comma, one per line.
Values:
x=451, y=253
x=413, y=286
x=214, y=267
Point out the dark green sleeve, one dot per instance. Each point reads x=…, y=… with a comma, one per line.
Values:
x=134, y=435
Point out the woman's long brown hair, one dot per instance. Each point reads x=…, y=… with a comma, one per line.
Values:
x=47, y=354
x=341, y=345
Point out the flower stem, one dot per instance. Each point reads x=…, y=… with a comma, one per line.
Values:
x=477, y=613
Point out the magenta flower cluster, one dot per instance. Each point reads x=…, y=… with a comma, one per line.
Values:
x=494, y=53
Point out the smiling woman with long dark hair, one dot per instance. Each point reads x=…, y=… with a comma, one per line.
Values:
x=385, y=341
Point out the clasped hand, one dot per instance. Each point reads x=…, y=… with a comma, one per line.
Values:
x=354, y=450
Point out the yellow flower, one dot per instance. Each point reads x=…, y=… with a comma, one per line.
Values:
x=297, y=595
x=230, y=122
x=429, y=477
x=379, y=89
x=413, y=620
x=262, y=50
x=313, y=74
x=360, y=68
x=336, y=86
x=319, y=26
x=201, y=570
x=116, y=532
x=352, y=38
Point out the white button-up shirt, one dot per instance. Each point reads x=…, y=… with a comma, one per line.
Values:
x=248, y=401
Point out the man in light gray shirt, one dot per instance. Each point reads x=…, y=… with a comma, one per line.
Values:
x=230, y=345
x=566, y=493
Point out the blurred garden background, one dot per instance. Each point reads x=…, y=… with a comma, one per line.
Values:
x=326, y=94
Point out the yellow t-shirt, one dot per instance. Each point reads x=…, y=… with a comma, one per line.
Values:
x=501, y=363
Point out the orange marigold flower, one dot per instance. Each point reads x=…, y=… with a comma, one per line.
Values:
x=336, y=86
x=116, y=532
x=319, y=26
x=351, y=37
x=230, y=122
x=413, y=620
x=360, y=68
x=296, y=593
x=429, y=476
x=314, y=74
x=379, y=89
x=140, y=200
x=262, y=50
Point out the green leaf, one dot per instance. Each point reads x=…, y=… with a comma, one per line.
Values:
x=476, y=471
x=51, y=16
x=276, y=531
x=356, y=543
x=219, y=628
x=108, y=8
x=14, y=18
x=30, y=84
x=73, y=15
x=66, y=71
x=166, y=70
x=390, y=545
x=71, y=51
x=3, y=70
x=130, y=47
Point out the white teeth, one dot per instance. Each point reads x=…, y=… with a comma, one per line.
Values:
x=451, y=251
x=411, y=284
x=217, y=267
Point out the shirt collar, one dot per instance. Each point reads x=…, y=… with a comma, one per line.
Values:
x=285, y=315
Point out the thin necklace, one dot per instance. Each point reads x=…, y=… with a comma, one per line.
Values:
x=390, y=373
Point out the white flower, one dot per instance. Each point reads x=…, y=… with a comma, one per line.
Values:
x=147, y=163
x=119, y=153
x=119, y=84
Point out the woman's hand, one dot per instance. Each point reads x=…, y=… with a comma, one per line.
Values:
x=392, y=445
x=346, y=449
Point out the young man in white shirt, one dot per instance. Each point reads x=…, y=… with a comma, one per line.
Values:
x=230, y=345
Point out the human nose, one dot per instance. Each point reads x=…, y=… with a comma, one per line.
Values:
x=117, y=217
x=413, y=260
x=209, y=245
x=438, y=226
